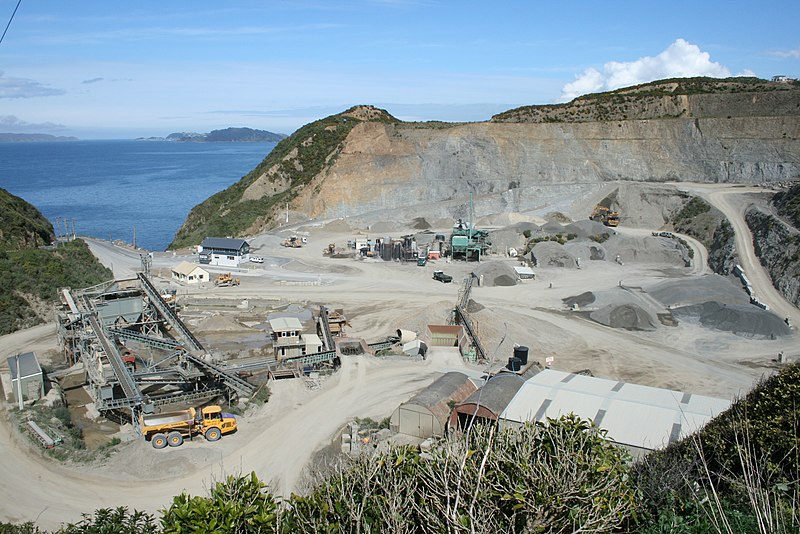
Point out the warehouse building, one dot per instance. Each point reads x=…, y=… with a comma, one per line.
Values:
x=640, y=418
x=426, y=413
x=485, y=405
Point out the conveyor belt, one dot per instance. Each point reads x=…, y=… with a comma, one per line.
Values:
x=126, y=381
x=169, y=314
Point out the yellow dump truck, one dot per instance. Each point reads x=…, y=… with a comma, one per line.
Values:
x=171, y=428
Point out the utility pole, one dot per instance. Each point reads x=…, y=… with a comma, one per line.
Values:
x=19, y=385
x=134, y=236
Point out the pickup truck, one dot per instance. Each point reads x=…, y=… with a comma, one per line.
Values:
x=440, y=276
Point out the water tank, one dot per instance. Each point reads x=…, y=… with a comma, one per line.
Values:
x=513, y=364
x=521, y=352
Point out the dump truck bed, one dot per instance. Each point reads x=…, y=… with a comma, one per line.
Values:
x=167, y=418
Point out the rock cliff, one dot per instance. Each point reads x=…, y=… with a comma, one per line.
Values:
x=777, y=244
x=364, y=160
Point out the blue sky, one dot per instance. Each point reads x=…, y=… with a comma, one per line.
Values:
x=100, y=69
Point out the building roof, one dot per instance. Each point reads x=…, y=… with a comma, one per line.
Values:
x=312, y=339
x=185, y=268
x=28, y=365
x=524, y=270
x=634, y=415
x=453, y=386
x=496, y=393
x=284, y=324
x=223, y=243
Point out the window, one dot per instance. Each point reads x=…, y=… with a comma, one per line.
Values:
x=232, y=258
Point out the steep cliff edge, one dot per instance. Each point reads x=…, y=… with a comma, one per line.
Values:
x=365, y=161
x=777, y=244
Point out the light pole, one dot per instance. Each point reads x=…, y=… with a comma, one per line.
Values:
x=19, y=385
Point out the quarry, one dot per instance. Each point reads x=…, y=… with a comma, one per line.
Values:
x=380, y=289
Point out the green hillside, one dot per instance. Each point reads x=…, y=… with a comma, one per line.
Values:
x=33, y=273
x=291, y=165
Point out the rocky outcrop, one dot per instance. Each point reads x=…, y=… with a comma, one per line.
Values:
x=364, y=160
x=778, y=247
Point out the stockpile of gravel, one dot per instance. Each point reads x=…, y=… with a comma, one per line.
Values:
x=551, y=254
x=587, y=228
x=586, y=249
x=643, y=249
x=582, y=300
x=627, y=316
x=688, y=291
x=741, y=319
x=496, y=273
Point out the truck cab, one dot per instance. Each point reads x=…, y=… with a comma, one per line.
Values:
x=441, y=277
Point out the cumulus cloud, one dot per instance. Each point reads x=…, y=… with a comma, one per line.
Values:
x=11, y=123
x=24, y=88
x=680, y=59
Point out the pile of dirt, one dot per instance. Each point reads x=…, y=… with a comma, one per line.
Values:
x=496, y=273
x=474, y=307
x=627, y=316
x=338, y=226
x=552, y=228
x=419, y=223
x=220, y=323
x=586, y=228
x=644, y=249
x=582, y=300
x=557, y=216
x=689, y=291
x=586, y=249
x=551, y=254
x=741, y=319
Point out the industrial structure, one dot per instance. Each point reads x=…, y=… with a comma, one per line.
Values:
x=136, y=352
x=27, y=378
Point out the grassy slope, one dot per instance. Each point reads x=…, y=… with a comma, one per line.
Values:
x=225, y=214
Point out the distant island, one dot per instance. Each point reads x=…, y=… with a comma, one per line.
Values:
x=228, y=135
x=32, y=138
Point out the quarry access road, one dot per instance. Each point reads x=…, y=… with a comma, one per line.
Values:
x=732, y=201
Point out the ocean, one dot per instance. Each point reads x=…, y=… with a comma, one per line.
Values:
x=111, y=189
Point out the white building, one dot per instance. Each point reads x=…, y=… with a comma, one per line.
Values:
x=189, y=273
x=289, y=340
x=640, y=418
x=223, y=251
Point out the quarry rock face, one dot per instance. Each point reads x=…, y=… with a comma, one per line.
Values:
x=519, y=167
x=778, y=247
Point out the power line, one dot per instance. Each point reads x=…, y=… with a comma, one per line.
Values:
x=9, y=21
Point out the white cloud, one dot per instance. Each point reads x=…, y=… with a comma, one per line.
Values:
x=680, y=59
x=793, y=54
x=24, y=88
x=11, y=123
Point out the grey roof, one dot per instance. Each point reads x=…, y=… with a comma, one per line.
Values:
x=442, y=389
x=638, y=416
x=223, y=242
x=28, y=365
x=496, y=393
x=285, y=324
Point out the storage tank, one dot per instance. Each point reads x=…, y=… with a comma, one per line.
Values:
x=513, y=364
x=521, y=352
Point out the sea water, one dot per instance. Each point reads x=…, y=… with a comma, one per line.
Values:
x=115, y=189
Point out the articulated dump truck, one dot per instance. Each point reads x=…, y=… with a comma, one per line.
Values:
x=171, y=428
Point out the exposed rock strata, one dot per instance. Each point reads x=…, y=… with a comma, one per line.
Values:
x=778, y=247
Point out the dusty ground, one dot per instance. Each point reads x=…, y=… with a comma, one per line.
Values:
x=278, y=440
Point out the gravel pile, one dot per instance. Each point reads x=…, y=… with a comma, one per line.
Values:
x=586, y=228
x=741, y=319
x=627, y=316
x=586, y=249
x=685, y=292
x=644, y=249
x=551, y=254
x=496, y=273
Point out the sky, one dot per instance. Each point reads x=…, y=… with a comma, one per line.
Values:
x=121, y=70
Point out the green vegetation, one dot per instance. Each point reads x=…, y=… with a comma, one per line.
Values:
x=32, y=276
x=292, y=164
x=21, y=224
x=738, y=474
x=654, y=100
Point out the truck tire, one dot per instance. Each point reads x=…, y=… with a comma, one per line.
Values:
x=213, y=434
x=175, y=439
x=159, y=441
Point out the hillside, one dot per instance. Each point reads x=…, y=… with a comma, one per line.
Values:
x=227, y=135
x=31, y=274
x=736, y=130
x=32, y=138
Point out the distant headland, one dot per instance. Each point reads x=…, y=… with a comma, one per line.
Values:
x=228, y=135
x=32, y=138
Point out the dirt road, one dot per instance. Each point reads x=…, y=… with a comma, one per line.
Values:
x=278, y=440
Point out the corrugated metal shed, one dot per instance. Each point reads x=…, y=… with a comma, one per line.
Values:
x=639, y=417
x=427, y=412
x=487, y=403
x=525, y=273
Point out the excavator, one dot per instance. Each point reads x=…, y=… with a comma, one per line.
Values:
x=605, y=215
x=292, y=242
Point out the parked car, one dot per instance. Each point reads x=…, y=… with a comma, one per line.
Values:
x=440, y=276
x=256, y=259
